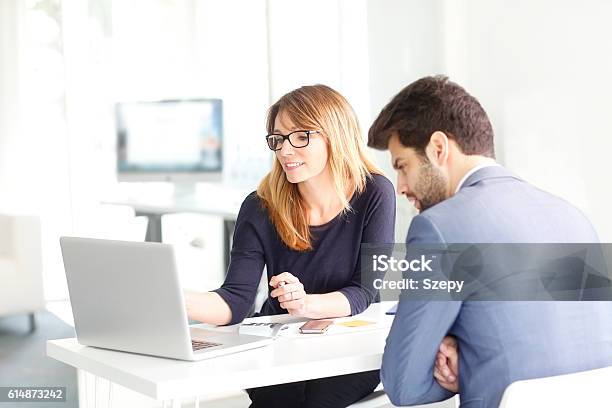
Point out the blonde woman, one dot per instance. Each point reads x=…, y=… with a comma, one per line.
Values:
x=322, y=199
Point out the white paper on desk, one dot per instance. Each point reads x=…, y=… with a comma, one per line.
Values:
x=269, y=326
x=262, y=329
x=235, y=328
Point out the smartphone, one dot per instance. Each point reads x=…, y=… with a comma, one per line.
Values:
x=316, y=326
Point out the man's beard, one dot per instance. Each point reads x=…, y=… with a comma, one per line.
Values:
x=431, y=186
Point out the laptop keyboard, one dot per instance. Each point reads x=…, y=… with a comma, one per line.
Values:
x=200, y=345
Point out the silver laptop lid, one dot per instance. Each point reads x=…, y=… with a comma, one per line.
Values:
x=126, y=296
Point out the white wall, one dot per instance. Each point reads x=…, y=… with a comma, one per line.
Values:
x=323, y=42
x=33, y=144
x=405, y=43
x=9, y=84
x=542, y=71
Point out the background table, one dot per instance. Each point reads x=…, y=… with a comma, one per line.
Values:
x=215, y=200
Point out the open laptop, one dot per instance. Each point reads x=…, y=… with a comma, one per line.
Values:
x=126, y=296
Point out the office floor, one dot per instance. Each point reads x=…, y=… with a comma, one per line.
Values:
x=23, y=361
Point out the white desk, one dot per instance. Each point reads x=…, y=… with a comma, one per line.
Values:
x=286, y=360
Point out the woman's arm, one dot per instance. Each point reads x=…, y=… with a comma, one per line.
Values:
x=231, y=303
x=207, y=307
x=327, y=305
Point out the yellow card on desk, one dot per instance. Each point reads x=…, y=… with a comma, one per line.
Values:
x=355, y=323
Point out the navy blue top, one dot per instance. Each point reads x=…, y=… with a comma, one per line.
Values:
x=332, y=265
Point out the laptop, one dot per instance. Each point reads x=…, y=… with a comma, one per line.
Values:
x=126, y=296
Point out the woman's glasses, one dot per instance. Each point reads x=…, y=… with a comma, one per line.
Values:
x=297, y=139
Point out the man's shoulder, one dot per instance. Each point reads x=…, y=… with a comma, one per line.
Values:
x=508, y=211
x=457, y=208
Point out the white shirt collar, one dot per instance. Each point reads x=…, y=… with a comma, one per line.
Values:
x=472, y=171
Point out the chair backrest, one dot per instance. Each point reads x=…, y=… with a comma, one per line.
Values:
x=7, y=226
x=582, y=389
x=378, y=399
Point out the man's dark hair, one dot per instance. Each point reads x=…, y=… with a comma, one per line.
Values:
x=433, y=104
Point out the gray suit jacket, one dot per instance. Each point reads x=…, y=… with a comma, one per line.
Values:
x=499, y=342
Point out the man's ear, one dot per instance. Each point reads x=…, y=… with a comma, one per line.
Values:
x=437, y=149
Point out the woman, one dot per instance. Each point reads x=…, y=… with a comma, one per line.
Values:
x=322, y=199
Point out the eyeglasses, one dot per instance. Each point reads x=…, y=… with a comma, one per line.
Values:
x=297, y=139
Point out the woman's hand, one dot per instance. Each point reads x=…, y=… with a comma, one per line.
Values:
x=290, y=293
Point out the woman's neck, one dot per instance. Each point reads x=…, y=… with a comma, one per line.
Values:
x=322, y=202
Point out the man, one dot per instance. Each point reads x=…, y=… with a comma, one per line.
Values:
x=441, y=144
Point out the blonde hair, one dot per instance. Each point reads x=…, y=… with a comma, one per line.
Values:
x=316, y=107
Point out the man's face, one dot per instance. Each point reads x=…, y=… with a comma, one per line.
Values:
x=417, y=178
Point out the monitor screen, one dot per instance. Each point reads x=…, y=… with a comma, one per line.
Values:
x=172, y=140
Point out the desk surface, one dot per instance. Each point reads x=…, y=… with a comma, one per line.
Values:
x=288, y=359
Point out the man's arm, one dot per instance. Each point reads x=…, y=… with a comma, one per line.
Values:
x=418, y=330
x=408, y=362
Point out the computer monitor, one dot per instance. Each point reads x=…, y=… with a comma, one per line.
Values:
x=170, y=140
